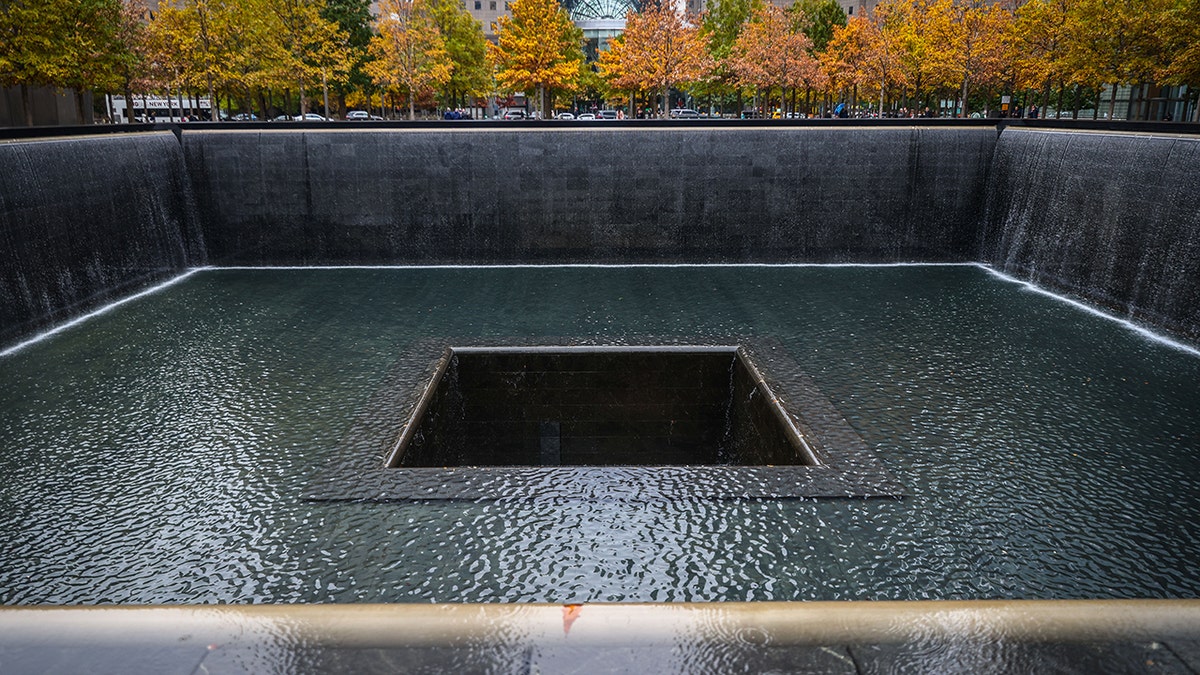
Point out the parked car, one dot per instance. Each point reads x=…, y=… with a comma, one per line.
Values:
x=514, y=114
x=245, y=117
x=586, y=116
x=607, y=115
x=283, y=118
x=565, y=116
x=311, y=117
x=361, y=116
x=683, y=114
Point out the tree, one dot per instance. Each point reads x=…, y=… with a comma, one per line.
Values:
x=978, y=42
x=470, y=73
x=409, y=51
x=194, y=37
x=1040, y=44
x=771, y=52
x=661, y=48
x=87, y=47
x=885, y=50
x=817, y=20
x=30, y=38
x=1181, y=38
x=133, y=42
x=1117, y=43
x=313, y=48
x=353, y=19
x=721, y=23
x=537, y=48
x=844, y=57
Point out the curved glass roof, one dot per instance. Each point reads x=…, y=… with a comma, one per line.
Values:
x=592, y=10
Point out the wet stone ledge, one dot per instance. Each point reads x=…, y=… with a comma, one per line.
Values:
x=367, y=468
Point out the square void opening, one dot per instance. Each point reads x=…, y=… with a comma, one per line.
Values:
x=589, y=406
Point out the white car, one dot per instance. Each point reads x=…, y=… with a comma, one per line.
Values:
x=310, y=117
x=683, y=114
x=361, y=116
x=565, y=116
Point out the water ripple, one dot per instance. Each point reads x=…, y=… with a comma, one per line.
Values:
x=157, y=453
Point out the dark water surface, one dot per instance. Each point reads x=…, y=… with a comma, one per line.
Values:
x=156, y=453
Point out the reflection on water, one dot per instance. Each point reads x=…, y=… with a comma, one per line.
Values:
x=157, y=452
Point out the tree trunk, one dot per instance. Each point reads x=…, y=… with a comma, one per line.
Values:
x=214, y=107
x=128, y=102
x=1058, y=106
x=325, y=91
x=965, y=107
x=1112, y=102
x=79, y=106
x=666, y=91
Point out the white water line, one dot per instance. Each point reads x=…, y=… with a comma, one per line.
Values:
x=1140, y=330
x=516, y=266
x=80, y=319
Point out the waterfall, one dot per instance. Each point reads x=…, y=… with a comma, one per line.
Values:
x=89, y=219
x=1111, y=218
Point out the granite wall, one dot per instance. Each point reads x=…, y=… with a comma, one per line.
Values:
x=1112, y=218
x=490, y=194
x=84, y=220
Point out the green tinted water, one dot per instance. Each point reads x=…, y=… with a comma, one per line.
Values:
x=156, y=453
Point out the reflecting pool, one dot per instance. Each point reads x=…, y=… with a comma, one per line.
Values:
x=157, y=453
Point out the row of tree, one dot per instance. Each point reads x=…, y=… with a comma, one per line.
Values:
x=265, y=54
x=910, y=52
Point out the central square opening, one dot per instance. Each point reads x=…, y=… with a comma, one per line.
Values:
x=599, y=406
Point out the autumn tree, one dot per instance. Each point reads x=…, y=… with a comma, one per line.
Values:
x=927, y=35
x=537, y=48
x=978, y=45
x=133, y=46
x=313, y=49
x=194, y=38
x=28, y=38
x=886, y=49
x=87, y=48
x=1040, y=41
x=771, y=52
x=470, y=72
x=843, y=60
x=1117, y=42
x=1182, y=44
x=409, y=51
x=663, y=48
